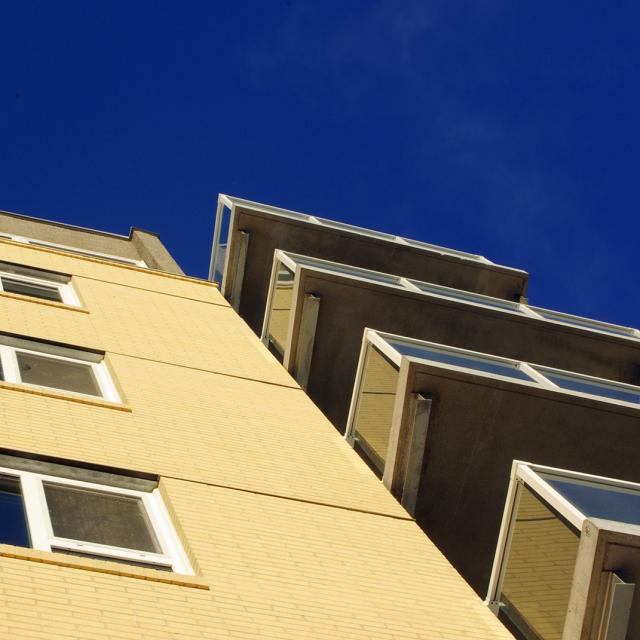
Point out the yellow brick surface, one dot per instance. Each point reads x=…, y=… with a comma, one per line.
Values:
x=289, y=529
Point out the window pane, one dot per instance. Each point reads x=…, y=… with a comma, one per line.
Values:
x=539, y=570
x=281, y=310
x=58, y=374
x=375, y=408
x=13, y=520
x=460, y=360
x=218, y=267
x=598, y=501
x=586, y=386
x=103, y=517
x=30, y=289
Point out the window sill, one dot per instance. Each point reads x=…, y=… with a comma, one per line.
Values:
x=61, y=395
x=48, y=303
x=101, y=566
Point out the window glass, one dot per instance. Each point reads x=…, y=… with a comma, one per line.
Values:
x=97, y=516
x=466, y=296
x=587, y=386
x=58, y=374
x=13, y=520
x=478, y=363
x=281, y=310
x=539, y=569
x=375, y=408
x=598, y=500
x=31, y=289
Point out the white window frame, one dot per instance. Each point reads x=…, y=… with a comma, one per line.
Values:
x=42, y=537
x=9, y=347
x=82, y=252
x=67, y=293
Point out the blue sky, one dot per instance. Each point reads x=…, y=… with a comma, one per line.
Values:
x=509, y=129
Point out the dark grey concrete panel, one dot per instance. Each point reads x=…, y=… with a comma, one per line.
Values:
x=478, y=427
x=270, y=233
x=347, y=307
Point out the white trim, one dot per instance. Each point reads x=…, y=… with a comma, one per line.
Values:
x=11, y=370
x=76, y=250
x=369, y=233
x=432, y=290
x=536, y=372
x=172, y=554
x=356, y=392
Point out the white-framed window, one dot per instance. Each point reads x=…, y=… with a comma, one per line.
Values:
x=37, y=283
x=44, y=365
x=53, y=513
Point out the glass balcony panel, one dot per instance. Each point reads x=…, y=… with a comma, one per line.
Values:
x=598, y=500
x=458, y=359
x=539, y=569
x=375, y=408
x=223, y=238
x=583, y=322
x=576, y=383
x=280, y=311
x=465, y=296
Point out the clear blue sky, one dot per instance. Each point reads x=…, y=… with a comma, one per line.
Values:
x=510, y=129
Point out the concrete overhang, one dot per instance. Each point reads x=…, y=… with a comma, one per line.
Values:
x=247, y=233
x=458, y=431
x=322, y=352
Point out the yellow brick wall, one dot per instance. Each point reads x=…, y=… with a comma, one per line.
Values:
x=292, y=535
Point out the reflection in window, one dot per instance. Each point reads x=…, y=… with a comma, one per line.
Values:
x=373, y=419
x=539, y=569
x=13, y=520
x=458, y=359
x=280, y=311
x=575, y=383
x=221, y=249
x=598, y=500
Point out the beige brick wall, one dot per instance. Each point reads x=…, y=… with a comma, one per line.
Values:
x=292, y=535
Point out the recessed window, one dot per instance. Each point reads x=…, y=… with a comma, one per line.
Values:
x=37, y=283
x=52, y=513
x=40, y=364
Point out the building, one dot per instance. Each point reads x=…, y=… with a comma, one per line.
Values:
x=457, y=393
x=163, y=476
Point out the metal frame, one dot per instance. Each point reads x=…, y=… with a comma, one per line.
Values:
x=527, y=474
x=82, y=252
x=43, y=538
x=11, y=370
x=535, y=371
